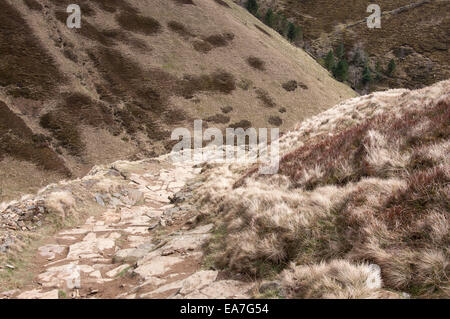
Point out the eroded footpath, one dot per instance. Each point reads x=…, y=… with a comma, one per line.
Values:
x=142, y=243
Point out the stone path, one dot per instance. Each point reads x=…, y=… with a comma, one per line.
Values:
x=139, y=248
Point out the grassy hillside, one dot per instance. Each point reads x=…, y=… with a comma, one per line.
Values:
x=359, y=207
x=115, y=88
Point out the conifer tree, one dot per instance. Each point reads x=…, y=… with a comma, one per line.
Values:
x=391, y=67
x=252, y=6
x=291, y=32
x=341, y=71
x=329, y=61
x=340, y=51
x=367, y=75
x=269, y=18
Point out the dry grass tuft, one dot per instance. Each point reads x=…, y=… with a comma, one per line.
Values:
x=338, y=279
x=368, y=183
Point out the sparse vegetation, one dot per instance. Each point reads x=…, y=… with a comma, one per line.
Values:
x=223, y=3
x=252, y=6
x=218, y=119
x=33, y=5
x=264, y=96
x=367, y=75
x=256, y=63
x=330, y=63
x=276, y=21
x=137, y=23
x=184, y=2
x=290, y=85
x=275, y=120
x=357, y=213
x=341, y=71
x=226, y=109
x=391, y=67
x=19, y=142
x=179, y=28
x=244, y=124
x=22, y=53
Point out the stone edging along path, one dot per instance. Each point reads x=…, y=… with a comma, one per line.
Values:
x=142, y=243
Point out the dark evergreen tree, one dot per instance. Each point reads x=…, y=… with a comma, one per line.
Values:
x=269, y=18
x=340, y=51
x=276, y=21
x=252, y=6
x=367, y=75
x=283, y=27
x=341, y=71
x=391, y=67
x=329, y=61
x=378, y=71
x=292, y=32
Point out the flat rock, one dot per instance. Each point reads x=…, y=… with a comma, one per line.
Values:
x=50, y=251
x=38, y=294
x=157, y=266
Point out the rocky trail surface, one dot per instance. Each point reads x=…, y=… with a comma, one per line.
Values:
x=143, y=242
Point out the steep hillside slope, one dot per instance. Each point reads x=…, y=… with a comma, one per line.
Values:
x=114, y=89
x=415, y=34
x=359, y=207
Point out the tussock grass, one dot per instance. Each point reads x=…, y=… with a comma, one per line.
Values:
x=359, y=208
